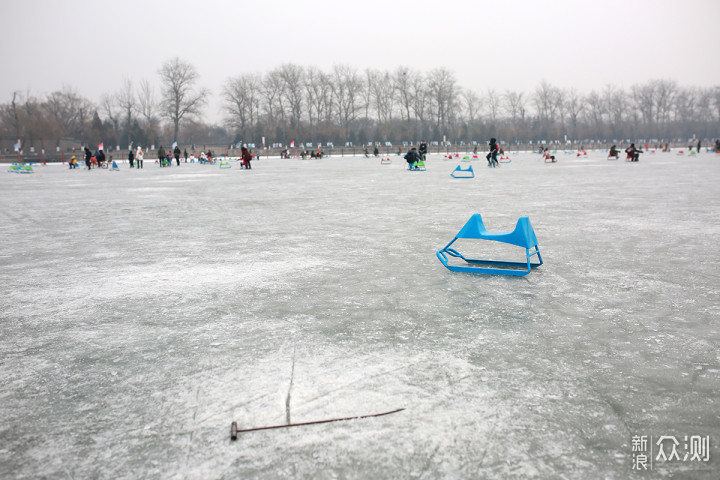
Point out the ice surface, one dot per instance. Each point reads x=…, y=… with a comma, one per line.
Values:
x=145, y=310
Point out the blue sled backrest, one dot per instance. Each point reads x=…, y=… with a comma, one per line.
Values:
x=522, y=236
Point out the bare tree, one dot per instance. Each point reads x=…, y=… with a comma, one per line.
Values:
x=515, y=105
x=293, y=77
x=492, y=102
x=684, y=111
x=643, y=97
x=616, y=107
x=179, y=97
x=420, y=98
x=111, y=110
x=596, y=109
x=382, y=94
x=705, y=111
x=574, y=107
x=346, y=94
x=241, y=95
x=716, y=102
x=665, y=91
x=318, y=92
x=560, y=108
x=12, y=117
x=366, y=91
x=127, y=102
x=472, y=104
x=543, y=100
x=273, y=95
x=443, y=93
x=403, y=80
x=148, y=109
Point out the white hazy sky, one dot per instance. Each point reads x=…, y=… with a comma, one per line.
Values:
x=92, y=45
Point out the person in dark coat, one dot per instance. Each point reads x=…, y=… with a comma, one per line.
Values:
x=100, y=155
x=422, y=151
x=412, y=156
x=161, y=155
x=177, y=155
x=492, y=156
x=131, y=157
x=185, y=155
x=633, y=153
x=88, y=156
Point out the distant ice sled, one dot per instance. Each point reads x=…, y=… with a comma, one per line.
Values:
x=460, y=173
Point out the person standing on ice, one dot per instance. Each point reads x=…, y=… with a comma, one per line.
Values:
x=492, y=156
x=422, y=151
x=131, y=157
x=88, y=156
x=139, y=157
x=161, y=155
x=177, y=155
x=246, y=157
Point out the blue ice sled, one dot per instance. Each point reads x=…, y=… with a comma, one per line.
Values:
x=460, y=173
x=522, y=236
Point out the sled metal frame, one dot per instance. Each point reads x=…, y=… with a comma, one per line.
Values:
x=522, y=236
x=456, y=173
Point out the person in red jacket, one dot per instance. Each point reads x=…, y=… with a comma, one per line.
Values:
x=246, y=157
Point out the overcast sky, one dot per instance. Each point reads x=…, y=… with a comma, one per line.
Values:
x=92, y=45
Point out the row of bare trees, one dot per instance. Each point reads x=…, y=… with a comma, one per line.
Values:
x=133, y=114
x=294, y=102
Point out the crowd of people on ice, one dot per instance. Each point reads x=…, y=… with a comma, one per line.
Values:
x=136, y=157
x=165, y=158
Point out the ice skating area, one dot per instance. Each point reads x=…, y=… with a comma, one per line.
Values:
x=145, y=310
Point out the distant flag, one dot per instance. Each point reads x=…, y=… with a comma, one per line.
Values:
x=292, y=144
x=17, y=147
x=100, y=146
x=174, y=144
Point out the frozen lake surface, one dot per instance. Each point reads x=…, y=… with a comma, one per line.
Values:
x=145, y=310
